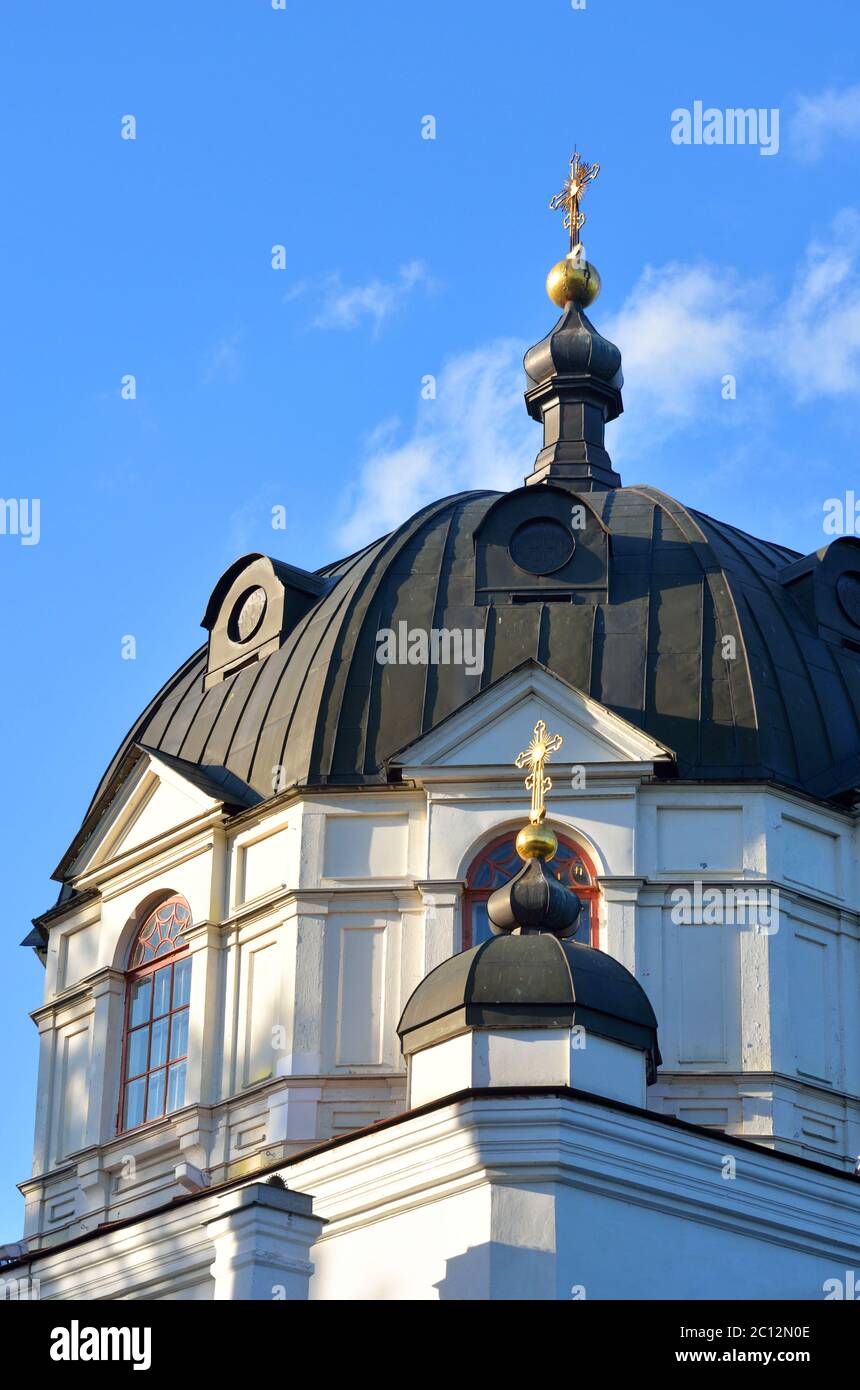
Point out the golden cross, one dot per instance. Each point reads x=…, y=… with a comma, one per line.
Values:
x=580, y=175
x=534, y=757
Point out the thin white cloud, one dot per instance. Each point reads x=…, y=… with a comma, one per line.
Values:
x=816, y=343
x=475, y=434
x=224, y=361
x=348, y=306
x=681, y=331
x=684, y=328
x=820, y=119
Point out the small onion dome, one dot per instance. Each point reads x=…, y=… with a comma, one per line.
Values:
x=533, y=901
x=574, y=348
x=533, y=981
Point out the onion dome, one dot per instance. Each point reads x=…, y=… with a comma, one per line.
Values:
x=574, y=388
x=533, y=901
x=534, y=981
x=574, y=348
x=574, y=374
x=530, y=975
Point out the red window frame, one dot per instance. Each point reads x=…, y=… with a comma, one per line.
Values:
x=169, y=960
x=589, y=891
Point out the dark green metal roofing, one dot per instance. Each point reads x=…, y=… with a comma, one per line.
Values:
x=530, y=982
x=646, y=640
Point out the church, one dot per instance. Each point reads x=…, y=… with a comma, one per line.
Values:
x=476, y=917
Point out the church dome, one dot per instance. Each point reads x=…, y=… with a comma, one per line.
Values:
x=536, y=981
x=740, y=656
x=642, y=629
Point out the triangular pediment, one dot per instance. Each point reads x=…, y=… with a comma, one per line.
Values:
x=491, y=729
x=151, y=796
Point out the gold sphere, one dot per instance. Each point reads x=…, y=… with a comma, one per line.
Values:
x=536, y=842
x=573, y=280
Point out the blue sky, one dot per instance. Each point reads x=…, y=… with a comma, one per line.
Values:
x=300, y=388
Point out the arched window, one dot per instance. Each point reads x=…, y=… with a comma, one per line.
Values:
x=499, y=861
x=155, y=1043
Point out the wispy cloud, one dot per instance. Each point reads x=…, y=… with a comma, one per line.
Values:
x=249, y=526
x=816, y=343
x=346, y=307
x=682, y=329
x=224, y=362
x=475, y=434
x=818, y=120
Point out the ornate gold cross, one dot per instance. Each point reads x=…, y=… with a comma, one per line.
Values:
x=581, y=174
x=534, y=757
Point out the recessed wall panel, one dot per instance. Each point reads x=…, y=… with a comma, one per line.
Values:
x=366, y=846
x=262, y=1007
x=361, y=1000
x=691, y=839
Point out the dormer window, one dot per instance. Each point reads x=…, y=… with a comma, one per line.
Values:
x=247, y=615
x=253, y=607
x=826, y=587
x=158, y=994
x=541, y=545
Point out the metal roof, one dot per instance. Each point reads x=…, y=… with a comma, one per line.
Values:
x=533, y=981
x=649, y=645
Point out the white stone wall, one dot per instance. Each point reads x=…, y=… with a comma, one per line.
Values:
x=497, y=1197
x=314, y=918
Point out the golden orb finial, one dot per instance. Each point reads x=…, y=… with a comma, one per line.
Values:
x=574, y=280
x=536, y=840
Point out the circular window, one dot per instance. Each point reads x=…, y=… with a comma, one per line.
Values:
x=248, y=612
x=541, y=546
x=848, y=594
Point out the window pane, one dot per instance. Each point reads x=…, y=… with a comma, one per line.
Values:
x=176, y=1086
x=155, y=1099
x=135, y=1062
x=141, y=997
x=583, y=926
x=181, y=983
x=158, y=1051
x=134, y=1093
x=480, y=923
x=161, y=1000
x=179, y=1035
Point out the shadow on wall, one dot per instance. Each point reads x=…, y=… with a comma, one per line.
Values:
x=495, y=1270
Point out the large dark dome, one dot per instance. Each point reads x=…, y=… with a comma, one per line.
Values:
x=740, y=656
x=645, y=638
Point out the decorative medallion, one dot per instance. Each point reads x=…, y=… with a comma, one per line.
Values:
x=541, y=546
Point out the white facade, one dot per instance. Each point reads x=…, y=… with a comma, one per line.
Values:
x=530, y=1197
x=316, y=915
